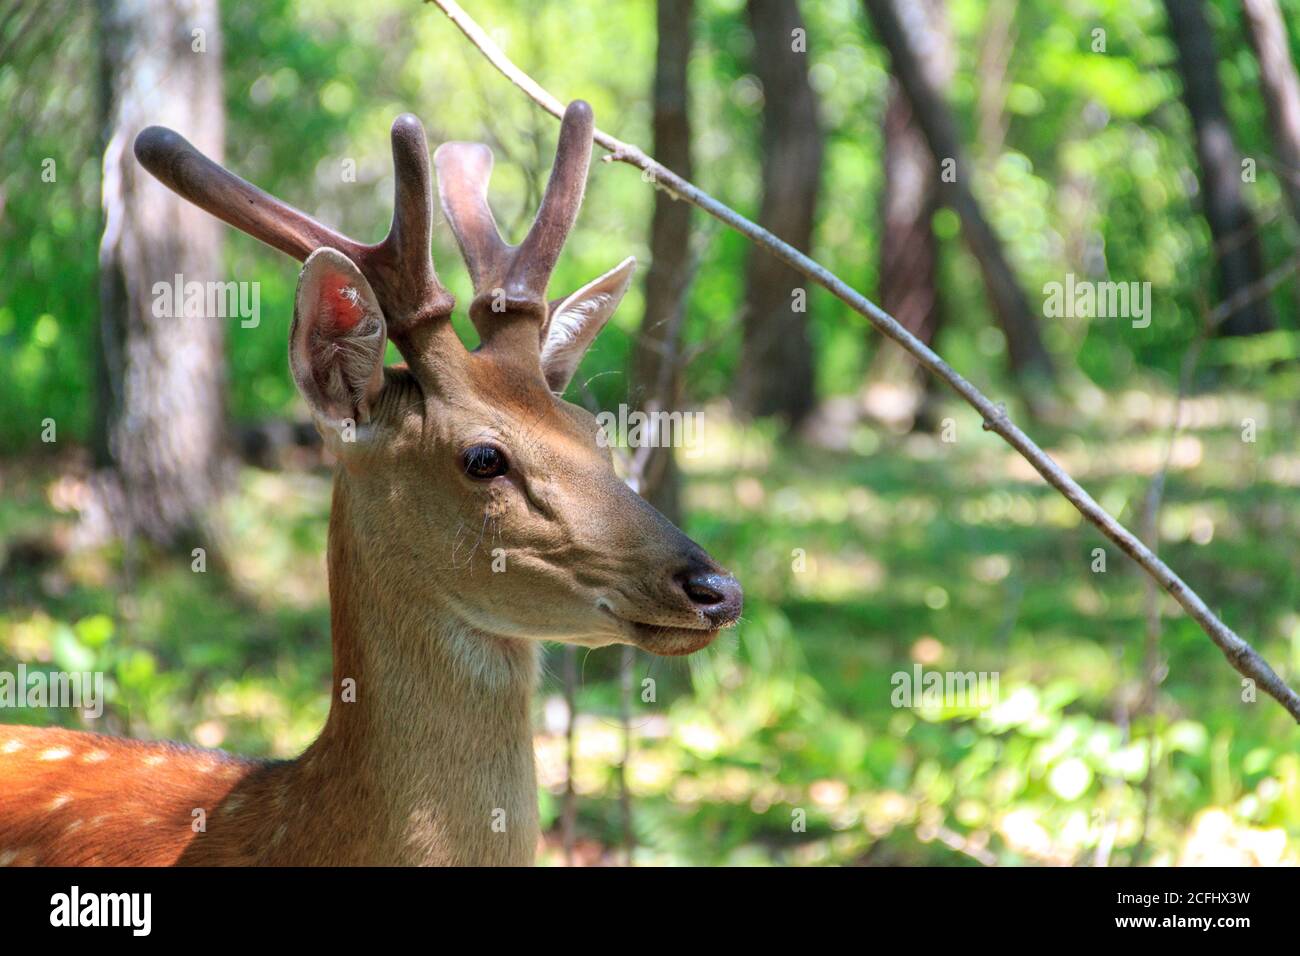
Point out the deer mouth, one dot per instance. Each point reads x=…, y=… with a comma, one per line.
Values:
x=666, y=640
x=672, y=641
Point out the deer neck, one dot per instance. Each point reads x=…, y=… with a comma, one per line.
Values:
x=427, y=754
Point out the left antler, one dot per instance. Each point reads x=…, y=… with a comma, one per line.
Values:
x=399, y=269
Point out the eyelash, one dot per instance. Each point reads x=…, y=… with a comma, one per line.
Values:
x=491, y=459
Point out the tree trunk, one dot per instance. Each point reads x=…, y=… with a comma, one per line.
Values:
x=909, y=251
x=1281, y=87
x=903, y=36
x=159, y=433
x=996, y=46
x=776, y=374
x=657, y=356
x=1236, y=238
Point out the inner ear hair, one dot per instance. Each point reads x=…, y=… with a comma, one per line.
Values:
x=338, y=340
x=344, y=365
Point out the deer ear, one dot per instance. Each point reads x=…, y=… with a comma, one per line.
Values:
x=575, y=321
x=336, y=346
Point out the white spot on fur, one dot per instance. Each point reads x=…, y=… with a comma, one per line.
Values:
x=60, y=800
x=13, y=746
x=56, y=753
x=7, y=857
x=95, y=756
x=153, y=760
x=74, y=826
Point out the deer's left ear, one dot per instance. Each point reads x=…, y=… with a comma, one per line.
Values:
x=575, y=321
x=336, y=345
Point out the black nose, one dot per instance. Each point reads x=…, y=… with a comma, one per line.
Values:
x=718, y=596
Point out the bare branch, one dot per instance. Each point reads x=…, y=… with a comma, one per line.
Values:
x=1239, y=653
x=1261, y=287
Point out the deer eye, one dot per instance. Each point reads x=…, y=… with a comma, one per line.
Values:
x=484, y=462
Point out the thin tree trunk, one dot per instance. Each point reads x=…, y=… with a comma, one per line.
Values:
x=1281, y=88
x=657, y=356
x=776, y=375
x=909, y=250
x=159, y=433
x=1236, y=238
x=569, y=812
x=904, y=32
x=996, y=45
x=626, y=664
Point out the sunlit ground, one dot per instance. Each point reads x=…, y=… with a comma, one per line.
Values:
x=780, y=744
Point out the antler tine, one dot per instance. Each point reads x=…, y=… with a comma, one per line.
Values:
x=400, y=269
x=538, y=253
x=463, y=173
x=511, y=280
x=412, y=226
x=180, y=167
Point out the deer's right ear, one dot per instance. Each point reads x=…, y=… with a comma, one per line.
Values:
x=336, y=347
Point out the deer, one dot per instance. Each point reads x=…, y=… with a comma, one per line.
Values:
x=426, y=755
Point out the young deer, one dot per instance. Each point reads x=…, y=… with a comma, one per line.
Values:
x=455, y=453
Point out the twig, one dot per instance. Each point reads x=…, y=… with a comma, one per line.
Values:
x=1239, y=653
x=1211, y=320
x=626, y=663
x=955, y=841
x=1152, y=501
x=569, y=815
x=1258, y=289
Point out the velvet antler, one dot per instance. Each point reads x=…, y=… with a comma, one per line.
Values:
x=510, y=281
x=399, y=269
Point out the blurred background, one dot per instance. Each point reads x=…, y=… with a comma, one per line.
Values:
x=952, y=159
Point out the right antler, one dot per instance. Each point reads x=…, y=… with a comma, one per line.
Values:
x=399, y=269
x=510, y=281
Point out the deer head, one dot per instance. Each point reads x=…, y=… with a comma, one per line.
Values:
x=459, y=453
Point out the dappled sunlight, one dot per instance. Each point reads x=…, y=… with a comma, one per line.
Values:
x=1217, y=839
x=1118, y=457
x=280, y=562
x=833, y=577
